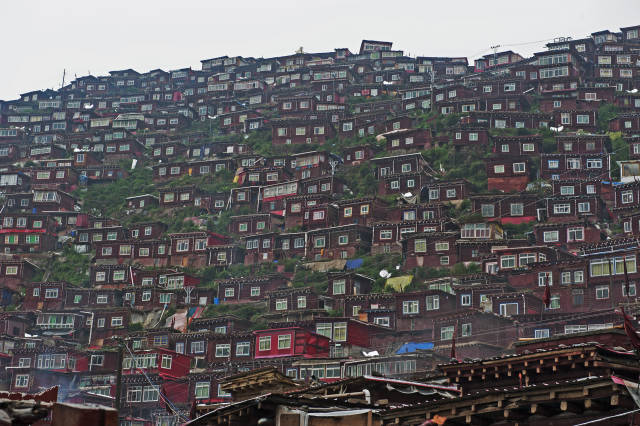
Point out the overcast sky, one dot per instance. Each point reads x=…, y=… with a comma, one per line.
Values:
x=41, y=38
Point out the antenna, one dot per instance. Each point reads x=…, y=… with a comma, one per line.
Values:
x=64, y=73
x=495, y=54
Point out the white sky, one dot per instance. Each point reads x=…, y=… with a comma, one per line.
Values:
x=40, y=38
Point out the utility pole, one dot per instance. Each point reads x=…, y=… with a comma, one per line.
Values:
x=119, y=376
x=433, y=77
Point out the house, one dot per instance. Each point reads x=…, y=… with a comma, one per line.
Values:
x=361, y=211
x=507, y=173
x=575, y=165
x=254, y=223
x=288, y=131
x=568, y=234
x=248, y=289
x=338, y=242
x=355, y=155
x=577, y=207
x=516, y=208
x=387, y=236
x=430, y=249
x=454, y=191
x=297, y=206
x=404, y=163
x=288, y=342
x=468, y=137
x=407, y=140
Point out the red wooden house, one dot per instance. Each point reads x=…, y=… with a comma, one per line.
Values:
x=361, y=211
x=407, y=140
x=569, y=234
x=466, y=137
x=290, y=342
x=430, y=249
x=507, y=173
x=248, y=289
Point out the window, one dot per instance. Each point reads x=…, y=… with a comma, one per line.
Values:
x=584, y=207
x=242, y=348
x=197, y=347
x=526, y=258
x=229, y=292
x=466, y=329
x=508, y=309
x=281, y=304
x=97, y=360
x=51, y=293
x=567, y=190
x=498, y=168
x=340, y=331
x=632, y=290
x=150, y=393
x=541, y=333
x=446, y=333
x=302, y=302
x=602, y=292
x=382, y=321
x=223, y=350
x=627, y=197
x=518, y=167
x=487, y=210
x=386, y=234
x=339, y=287
x=465, y=299
x=508, y=261
x=594, y=163
x=433, y=303
x=22, y=381
x=420, y=246
x=284, y=341
x=517, y=209
x=545, y=278
x=102, y=299
x=343, y=240
x=264, y=343
x=410, y=307
x=202, y=390
x=575, y=234
x=562, y=208
x=182, y=245
x=319, y=242
x=324, y=329
x=442, y=246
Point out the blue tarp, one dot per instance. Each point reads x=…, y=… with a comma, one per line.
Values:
x=411, y=347
x=354, y=264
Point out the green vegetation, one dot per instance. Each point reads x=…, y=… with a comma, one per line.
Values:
x=70, y=266
x=252, y=312
x=108, y=200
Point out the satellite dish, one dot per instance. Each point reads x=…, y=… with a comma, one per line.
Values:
x=384, y=273
x=408, y=194
x=88, y=106
x=397, y=267
x=561, y=128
